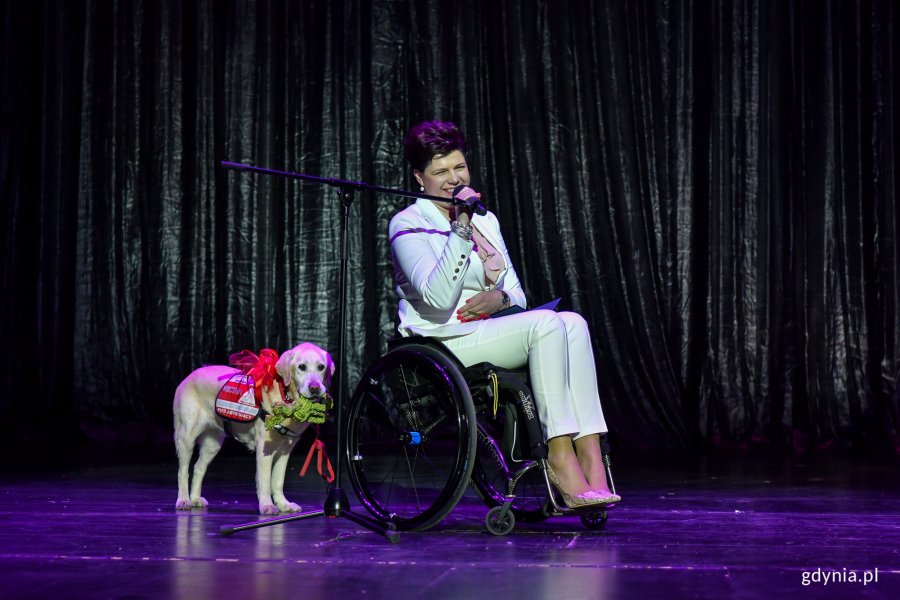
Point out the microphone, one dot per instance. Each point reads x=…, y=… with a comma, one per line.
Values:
x=470, y=201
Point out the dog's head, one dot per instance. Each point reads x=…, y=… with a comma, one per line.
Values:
x=309, y=367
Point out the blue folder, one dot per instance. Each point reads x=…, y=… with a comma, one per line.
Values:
x=515, y=309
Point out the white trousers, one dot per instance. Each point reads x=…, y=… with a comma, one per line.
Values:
x=557, y=349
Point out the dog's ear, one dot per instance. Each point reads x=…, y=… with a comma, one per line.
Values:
x=283, y=366
x=329, y=364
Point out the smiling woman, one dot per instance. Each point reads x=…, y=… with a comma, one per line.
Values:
x=453, y=272
x=442, y=176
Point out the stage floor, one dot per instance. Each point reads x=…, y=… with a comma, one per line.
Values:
x=702, y=527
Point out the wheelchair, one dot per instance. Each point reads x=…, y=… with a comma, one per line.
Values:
x=421, y=427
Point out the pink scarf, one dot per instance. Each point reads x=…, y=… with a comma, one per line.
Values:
x=491, y=259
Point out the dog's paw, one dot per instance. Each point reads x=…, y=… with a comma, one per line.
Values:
x=268, y=509
x=188, y=504
x=289, y=507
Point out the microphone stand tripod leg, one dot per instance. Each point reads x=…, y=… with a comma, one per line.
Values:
x=229, y=529
x=336, y=505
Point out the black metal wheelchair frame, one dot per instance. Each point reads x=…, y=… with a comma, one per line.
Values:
x=421, y=427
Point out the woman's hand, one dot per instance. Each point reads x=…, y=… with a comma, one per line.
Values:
x=480, y=306
x=462, y=213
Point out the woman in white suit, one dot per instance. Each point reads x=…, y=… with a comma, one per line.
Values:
x=453, y=272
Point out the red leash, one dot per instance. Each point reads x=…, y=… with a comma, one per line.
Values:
x=318, y=447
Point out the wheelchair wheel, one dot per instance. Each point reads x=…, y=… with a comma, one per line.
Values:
x=497, y=526
x=411, y=437
x=494, y=471
x=594, y=520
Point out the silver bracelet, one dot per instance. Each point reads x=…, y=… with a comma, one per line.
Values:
x=463, y=231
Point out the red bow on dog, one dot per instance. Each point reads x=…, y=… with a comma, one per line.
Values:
x=260, y=367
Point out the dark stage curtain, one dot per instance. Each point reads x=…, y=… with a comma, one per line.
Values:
x=711, y=184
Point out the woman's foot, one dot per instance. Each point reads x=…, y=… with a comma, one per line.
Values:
x=595, y=474
x=605, y=497
x=565, y=474
x=590, y=460
x=564, y=464
x=583, y=499
x=568, y=477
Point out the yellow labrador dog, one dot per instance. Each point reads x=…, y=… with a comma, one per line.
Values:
x=196, y=422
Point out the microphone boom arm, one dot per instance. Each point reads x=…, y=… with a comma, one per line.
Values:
x=339, y=183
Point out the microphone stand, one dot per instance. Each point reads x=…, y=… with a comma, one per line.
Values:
x=336, y=504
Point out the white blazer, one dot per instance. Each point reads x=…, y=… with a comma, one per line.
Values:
x=436, y=271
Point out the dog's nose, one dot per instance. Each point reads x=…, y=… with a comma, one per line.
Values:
x=315, y=389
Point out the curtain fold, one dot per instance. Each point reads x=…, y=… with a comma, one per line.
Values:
x=710, y=183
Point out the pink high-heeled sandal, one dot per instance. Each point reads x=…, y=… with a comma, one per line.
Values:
x=581, y=500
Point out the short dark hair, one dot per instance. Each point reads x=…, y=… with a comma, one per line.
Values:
x=429, y=139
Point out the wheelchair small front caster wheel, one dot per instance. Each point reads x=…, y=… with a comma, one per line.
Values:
x=497, y=526
x=594, y=520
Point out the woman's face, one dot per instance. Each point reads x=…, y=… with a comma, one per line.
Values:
x=442, y=175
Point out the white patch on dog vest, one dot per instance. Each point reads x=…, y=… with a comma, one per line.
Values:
x=236, y=400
